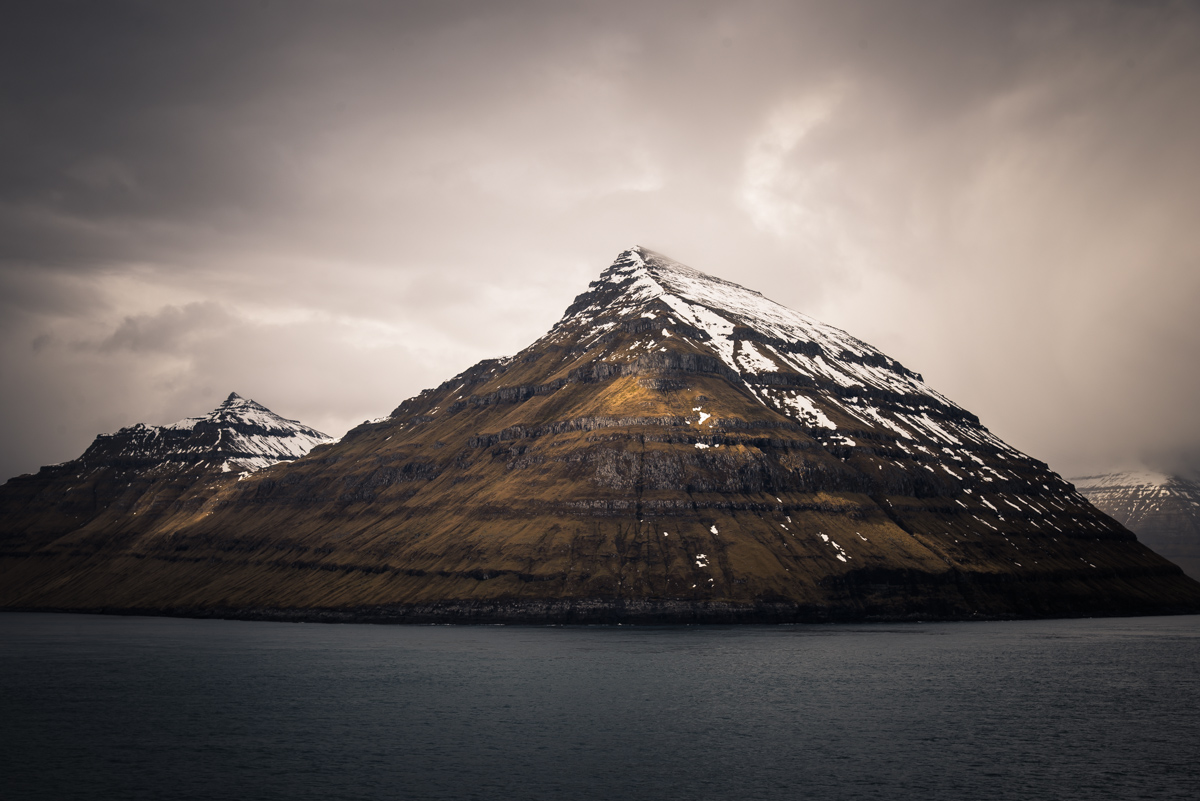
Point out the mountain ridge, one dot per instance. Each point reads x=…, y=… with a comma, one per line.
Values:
x=1163, y=509
x=150, y=470
x=257, y=437
x=675, y=449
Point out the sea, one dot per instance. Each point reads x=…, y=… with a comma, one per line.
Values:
x=106, y=707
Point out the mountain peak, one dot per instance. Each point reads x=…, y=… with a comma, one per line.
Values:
x=640, y=276
x=648, y=306
x=652, y=274
x=1163, y=509
x=239, y=432
x=235, y=408
x=680, y=277
x=676, y=448
x=236, y=401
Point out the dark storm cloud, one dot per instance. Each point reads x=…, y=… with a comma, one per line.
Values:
x=25, y=294
x=330, y=206
x=166, y=329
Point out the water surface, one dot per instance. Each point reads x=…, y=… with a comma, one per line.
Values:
x=150, y=708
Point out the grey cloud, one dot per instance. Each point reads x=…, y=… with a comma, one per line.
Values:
x=166, y=329
x=1001, y=195
x=30, y=293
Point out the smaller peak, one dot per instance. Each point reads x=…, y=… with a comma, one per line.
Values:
x=642, y=258
x=237, y=406
x=641, y=254
x=236, y=400
x=630, y=257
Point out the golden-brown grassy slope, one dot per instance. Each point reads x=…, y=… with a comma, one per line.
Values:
x=142, y=478
x=631, y=457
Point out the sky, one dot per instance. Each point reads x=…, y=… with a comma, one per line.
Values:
x=328, y=207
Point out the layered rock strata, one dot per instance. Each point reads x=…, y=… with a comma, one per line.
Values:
x=146, y=478
x=676, y=448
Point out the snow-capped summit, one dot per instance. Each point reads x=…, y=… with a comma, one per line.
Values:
x=144, y=476
x=242, y=411
x=714, y=304
x=1162, y=509
x=675, y=448
x=793, y=364
x=239, y=435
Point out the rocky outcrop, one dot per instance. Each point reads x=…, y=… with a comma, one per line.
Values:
x=146, y=476
x=676, y=448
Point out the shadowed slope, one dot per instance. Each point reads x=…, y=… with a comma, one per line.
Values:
x=676, y=448
x=144, y=477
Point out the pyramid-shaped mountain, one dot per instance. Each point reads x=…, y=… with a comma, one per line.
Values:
x=146, y=477
x=1162, y=509
x=675, y=448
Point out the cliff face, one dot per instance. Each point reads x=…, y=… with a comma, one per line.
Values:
x=1163, y=510
x=145, y=478
x=675, y=448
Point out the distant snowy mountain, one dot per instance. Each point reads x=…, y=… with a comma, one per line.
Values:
x=676, y=448
x=1163, y=510
x=144, y=475
x=238, y=436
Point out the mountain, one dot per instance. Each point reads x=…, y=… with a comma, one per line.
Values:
x=676, y=448
x=1163, y=510
x=146, y=476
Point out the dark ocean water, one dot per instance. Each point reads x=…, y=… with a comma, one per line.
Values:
x=151, y=708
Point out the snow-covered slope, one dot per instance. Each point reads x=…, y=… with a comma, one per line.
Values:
x=700, y=362
x=239, y=435
x=127, y=482
x=1163, y=510
x=786, y=359
x=675, y=448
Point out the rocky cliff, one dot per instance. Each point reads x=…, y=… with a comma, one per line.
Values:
x=147, y=477
x=676, y=448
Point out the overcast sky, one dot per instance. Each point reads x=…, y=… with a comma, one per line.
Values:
x=329, y=207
